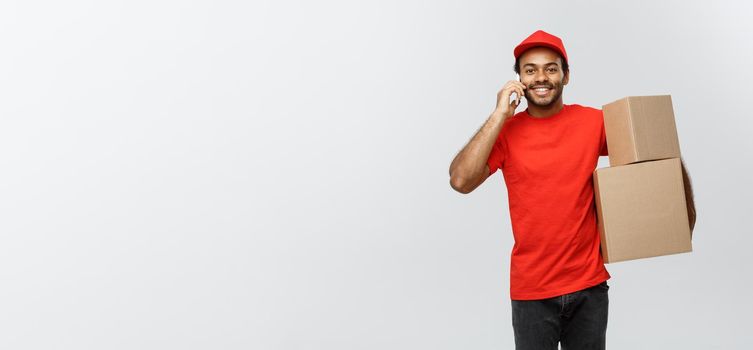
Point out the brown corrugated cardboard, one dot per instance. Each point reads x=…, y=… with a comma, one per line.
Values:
x=641, y=210
x=640, y=128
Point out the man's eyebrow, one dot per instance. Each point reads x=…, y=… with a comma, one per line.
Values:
x=546, y=64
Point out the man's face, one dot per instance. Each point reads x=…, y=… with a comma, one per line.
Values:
x=541, y=72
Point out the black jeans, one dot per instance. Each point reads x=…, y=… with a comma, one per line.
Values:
x=578, y=320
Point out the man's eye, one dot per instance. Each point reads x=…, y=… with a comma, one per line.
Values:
x=552, y=70
x=529, y=71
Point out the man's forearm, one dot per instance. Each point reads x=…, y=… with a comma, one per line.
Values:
x=468, y=165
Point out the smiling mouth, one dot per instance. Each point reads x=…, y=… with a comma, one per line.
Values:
x=541, y=91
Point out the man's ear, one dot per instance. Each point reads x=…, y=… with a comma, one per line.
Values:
x=566, y=79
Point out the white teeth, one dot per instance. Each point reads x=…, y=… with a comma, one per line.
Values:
x=542, y=89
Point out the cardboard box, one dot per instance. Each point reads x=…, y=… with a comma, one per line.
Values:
x=641, y=210
x=640, y=128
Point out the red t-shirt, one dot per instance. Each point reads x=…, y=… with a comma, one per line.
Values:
x=547, y=164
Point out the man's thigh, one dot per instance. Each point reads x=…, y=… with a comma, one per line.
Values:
x=585, y=326
x=536, y=323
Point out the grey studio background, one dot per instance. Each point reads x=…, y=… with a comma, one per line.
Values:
x=274, y=175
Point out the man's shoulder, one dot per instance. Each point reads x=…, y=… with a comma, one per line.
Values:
x=593, y=115
x=584, y=109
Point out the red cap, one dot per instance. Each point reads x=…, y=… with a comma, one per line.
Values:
x=541, y=38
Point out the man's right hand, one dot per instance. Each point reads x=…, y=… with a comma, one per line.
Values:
x=469, y=168
x=504, y=105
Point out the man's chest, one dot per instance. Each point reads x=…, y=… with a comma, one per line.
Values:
x=558, y=151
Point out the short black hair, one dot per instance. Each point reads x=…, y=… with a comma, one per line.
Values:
x=565, y=65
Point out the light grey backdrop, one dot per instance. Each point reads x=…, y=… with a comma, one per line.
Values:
x=274, y=174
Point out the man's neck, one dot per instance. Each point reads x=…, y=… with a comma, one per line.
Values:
x=545, y=112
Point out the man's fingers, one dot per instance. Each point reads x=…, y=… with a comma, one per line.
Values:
x=513, y=90
x=520, y=93
x=516, y=87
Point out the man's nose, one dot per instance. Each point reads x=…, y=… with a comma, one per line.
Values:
x=540, y=77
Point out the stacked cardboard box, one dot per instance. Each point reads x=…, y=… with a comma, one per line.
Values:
x=640, y=197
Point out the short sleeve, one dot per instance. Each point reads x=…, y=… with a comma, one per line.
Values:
x=496, y=157
x=603, y=150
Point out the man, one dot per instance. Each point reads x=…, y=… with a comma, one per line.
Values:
x=547, y=154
